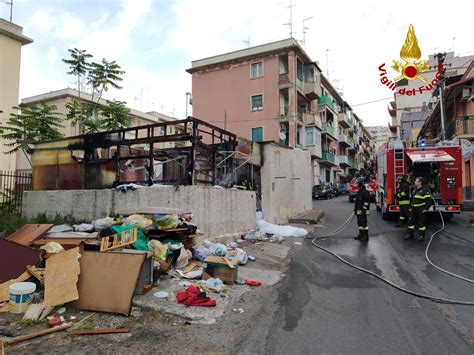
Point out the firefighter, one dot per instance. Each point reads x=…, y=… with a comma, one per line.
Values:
x=420, y=203
x=403, y=198
x=362, y=209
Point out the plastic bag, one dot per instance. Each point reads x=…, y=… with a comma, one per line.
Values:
x=218, y=249
x=238, y=254
x=167, y=221
x=183, y=258
x=159, y=249
x=138, y=221
x=201, y=253
x=215, y=284
x=102, y=223
x=52, y=248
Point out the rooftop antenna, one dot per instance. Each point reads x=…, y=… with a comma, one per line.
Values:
x=11, y=8
x=304, y=31
x=135, y=102
x=327, y=62
x=454, y=42
x=247, y=42
x=290, y=23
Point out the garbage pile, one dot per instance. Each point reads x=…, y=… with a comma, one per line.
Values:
x=99, y=266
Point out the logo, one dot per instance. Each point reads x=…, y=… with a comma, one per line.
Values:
x=410, y=68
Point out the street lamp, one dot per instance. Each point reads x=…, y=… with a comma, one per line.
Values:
x=188, y=101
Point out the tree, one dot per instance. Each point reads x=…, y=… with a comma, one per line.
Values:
x=31, y=124
x=115, y=115
x=104, y=75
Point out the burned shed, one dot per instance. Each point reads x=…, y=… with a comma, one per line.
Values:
x=182, y=152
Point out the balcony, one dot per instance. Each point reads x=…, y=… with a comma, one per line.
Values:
x=351, y=162
x=328, y=159
x=312, y=90
x=344, y=120
x=312, y=118
x=284, y=81
x=465, y=128
x=284, y=115
x=343, y=140
x=330, y=130
x=314, y=150
x=344, y=161
x=326, y=100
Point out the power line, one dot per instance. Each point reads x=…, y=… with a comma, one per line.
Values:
x=371, y=102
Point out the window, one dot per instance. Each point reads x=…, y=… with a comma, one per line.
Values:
x=256, y=70
x=317, y=141
x=257, y=103
x=309, y=135
x=257, y=134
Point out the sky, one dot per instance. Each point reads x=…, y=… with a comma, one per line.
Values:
x=154, y=41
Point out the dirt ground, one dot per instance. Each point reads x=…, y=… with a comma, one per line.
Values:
x=154, y=331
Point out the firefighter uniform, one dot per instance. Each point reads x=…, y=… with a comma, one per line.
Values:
x=420, y=201
x=403, y=197
x=362, y=210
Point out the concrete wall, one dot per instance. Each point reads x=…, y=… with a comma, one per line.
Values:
x=216, y=211
x=286, y=183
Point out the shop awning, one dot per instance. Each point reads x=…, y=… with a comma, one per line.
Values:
x=429, y=156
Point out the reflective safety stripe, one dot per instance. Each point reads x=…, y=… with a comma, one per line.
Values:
x=422, y=228
x=419, y=204
x=422, y=197
x=403, y=193
x=411, y=227
x=361, y=228
x=366, y=203
x=402, y=218
x=404, y=202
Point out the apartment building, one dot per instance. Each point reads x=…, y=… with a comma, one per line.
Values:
x=454, y=66
x=459, y=123
x=380, y=134
x=11, y=42
x=276, y=92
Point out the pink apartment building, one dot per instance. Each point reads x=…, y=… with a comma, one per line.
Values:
x=274, y=92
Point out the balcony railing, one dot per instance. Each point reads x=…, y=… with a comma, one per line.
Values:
x=351, y=161
x=343, y=160
x=344, y=120
x=284, y=78
x=329, y=157
x=312, y=90
x=327, y=101
x=343, y=139
x=314, y=150
x=330, y=130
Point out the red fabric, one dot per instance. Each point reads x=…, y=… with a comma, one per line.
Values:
x=189, y=297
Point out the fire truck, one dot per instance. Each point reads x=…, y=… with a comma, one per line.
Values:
x=439, y=163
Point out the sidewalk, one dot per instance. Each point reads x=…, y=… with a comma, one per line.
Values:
x=310, y=217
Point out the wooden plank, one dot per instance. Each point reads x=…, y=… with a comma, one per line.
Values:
x=118, y=240
x=99, y=331
x=14, y=258
x=60, y=278
x=21, y=338
x=29, y=233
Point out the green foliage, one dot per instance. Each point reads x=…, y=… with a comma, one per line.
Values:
x=31, y=124
x=76, y=112
x=104, y=75
x=115, y=115
x=78, y=64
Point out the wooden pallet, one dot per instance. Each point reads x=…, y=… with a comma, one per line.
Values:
x=119, y=240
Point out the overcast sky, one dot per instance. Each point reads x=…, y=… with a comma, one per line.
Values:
x=156, y=40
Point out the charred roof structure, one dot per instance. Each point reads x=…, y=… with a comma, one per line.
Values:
x=182, y=152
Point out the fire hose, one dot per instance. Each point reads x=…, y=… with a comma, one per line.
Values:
x=390, y=283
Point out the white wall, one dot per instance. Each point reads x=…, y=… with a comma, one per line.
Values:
x=216, y=211
x=286, y=183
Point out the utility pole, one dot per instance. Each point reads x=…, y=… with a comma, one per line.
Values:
x=442, y=103
x=304, y=31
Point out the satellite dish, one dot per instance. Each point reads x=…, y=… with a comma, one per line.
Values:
x=282, y=136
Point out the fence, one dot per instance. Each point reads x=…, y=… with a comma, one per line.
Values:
x=12, y=185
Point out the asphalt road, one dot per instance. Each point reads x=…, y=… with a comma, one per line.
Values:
x=324, y=306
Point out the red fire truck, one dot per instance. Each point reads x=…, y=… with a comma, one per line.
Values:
x=440, y=164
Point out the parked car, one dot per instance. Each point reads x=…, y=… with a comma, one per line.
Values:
x=353, y=188
x=343, y=189
x=322, y=191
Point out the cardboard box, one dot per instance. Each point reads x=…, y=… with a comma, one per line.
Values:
x=220, y=267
